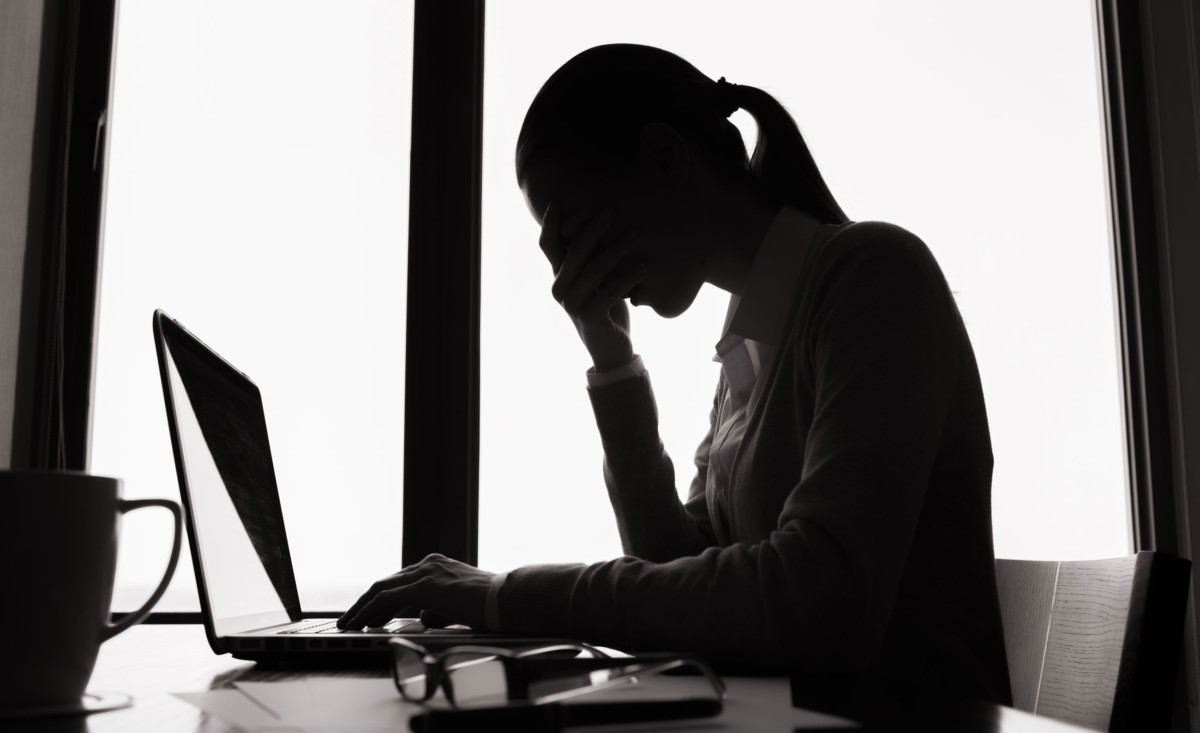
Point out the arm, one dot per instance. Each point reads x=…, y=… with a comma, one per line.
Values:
x=654, y=525
x=884, y=340
x=591, y=280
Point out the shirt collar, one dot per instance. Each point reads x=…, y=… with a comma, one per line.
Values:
x=761, y=312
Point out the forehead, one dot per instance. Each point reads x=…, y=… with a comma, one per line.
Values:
x=570, y=188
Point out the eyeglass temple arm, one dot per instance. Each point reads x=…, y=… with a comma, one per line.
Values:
x=522, y=672
x=555, y=665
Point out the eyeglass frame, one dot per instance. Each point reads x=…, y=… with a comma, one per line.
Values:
x=644, y=665
x=435, y=662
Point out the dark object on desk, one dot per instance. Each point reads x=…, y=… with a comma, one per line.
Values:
x=538, y=689
x=479, y=676
x=58, y=538
x=556, y=716
x=1095, y=642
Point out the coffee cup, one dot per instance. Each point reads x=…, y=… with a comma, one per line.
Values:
x=58, y=555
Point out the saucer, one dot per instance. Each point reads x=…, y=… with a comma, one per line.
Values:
x=92, y=702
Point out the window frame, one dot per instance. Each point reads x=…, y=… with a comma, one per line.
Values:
x=1136, y=270
x=56, y=347
x=441, y=431
x=1151, y=88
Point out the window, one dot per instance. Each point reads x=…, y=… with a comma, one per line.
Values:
x=258, y=192
x=971, y=126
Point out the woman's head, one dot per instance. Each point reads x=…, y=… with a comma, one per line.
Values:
x=642, y=132
x=591, y=112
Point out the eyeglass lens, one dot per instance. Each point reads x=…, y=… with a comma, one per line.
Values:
x=409, y=670
x=469, y=678
x=476, y=679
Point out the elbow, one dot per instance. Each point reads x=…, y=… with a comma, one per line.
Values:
x=846, y=642
x=830, y=618
x=806, y=641
x=864, y=642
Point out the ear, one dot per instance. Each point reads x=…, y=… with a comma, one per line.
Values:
x=664, y=154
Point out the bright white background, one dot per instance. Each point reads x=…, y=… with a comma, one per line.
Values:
x=258, y=192
x=976, y=126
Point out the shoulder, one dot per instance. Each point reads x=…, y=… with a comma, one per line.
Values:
x=878, y=237
x=880, y=247
x=881, y=272
x=876, y=231
x=876, y=286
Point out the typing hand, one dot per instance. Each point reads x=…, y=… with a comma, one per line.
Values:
x=447, y=590
x=593, y=274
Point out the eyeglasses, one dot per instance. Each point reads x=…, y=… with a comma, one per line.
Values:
x=487, y=680
x=484, y=675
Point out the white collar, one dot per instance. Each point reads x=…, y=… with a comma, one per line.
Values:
x=760, y=314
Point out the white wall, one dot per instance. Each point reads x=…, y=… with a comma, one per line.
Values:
x=20, y=45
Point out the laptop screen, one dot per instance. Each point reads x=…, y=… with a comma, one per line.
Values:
x=244, y=566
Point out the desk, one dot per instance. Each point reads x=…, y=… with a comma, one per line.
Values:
x=151, y=661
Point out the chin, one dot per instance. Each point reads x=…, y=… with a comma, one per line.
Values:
x=671, y=307
x=666, y=313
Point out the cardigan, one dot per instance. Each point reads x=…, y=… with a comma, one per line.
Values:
x=755, y=323
x=852, y=546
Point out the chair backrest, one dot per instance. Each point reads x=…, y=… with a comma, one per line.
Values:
x=1095, y=642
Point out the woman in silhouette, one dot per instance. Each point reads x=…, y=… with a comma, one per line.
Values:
x=839, y=523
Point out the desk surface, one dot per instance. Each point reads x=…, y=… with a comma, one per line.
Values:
x=150, y=662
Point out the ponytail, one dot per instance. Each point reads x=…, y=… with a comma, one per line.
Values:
x=782, y=167
x=592, y=110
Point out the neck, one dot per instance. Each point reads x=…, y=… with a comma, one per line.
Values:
x=736, y=229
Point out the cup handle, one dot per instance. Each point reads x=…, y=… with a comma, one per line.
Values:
x=127, y=505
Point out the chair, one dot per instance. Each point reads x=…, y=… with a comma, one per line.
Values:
x=1097, y=642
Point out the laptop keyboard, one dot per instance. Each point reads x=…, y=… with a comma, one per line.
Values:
x=329, y=626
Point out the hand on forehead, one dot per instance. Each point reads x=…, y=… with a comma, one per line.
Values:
x=577, y=196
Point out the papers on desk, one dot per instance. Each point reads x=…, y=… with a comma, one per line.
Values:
x=308, y=705
x=357, y=705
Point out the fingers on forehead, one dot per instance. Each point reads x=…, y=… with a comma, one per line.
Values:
x=617, y=250
x=572, y=223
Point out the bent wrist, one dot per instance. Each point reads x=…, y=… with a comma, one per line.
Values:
x=491, y=604
x=607, y=362
x=633, y=368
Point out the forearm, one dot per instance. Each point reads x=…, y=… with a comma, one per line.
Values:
x=789, y=603
x=652, y=521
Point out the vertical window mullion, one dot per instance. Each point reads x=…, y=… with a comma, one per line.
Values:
x=441, y=466
x=1135, y=239
x=58, y=313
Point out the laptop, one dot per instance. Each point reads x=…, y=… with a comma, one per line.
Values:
x=234, y=518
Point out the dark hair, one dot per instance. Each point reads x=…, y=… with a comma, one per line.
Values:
x=593, y=109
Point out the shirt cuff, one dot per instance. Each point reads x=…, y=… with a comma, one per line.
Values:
x=633, y=369
x=491, y=606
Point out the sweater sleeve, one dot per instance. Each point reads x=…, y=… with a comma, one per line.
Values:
x=883, y=337
x=654, y=525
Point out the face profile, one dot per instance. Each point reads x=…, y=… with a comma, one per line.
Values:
x=655, y=201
